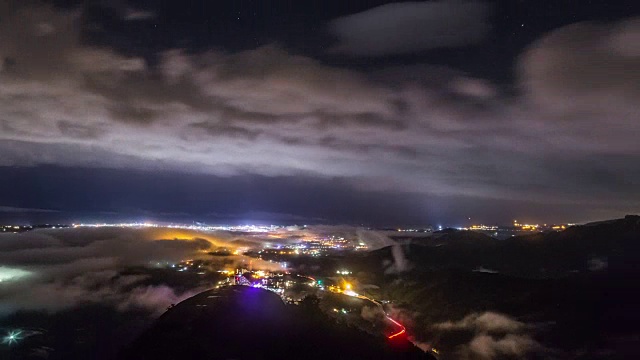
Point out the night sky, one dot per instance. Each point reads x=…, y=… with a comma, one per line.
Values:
x=382, y=113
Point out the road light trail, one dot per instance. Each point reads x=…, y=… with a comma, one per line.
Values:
x=404, y=330
x=350, y=292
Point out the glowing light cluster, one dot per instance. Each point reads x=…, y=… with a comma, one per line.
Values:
x=350, y=293
x=200, y=227
x=12, y=337
x=483, y=227
x=12, y=274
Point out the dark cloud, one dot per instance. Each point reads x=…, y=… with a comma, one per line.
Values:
x=123, y=10
x=136, y=14
x=12, y=209
x=410, y=27
x=75, y=130
x=220, y=129
x=431, y=131
x=586, y=70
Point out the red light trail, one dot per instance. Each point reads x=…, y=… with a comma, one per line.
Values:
x=399, y=332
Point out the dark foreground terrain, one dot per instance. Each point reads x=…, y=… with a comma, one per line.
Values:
x=240, y=322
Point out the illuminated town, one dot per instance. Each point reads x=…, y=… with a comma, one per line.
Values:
x=293, y=288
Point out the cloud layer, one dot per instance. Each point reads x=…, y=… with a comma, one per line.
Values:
x=570, y=138
x=58, y=269
x=494, y=336
x=410, y=27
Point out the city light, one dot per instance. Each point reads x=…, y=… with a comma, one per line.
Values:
x=350, y=293
x=199, y=227
x=12, y=337
x=483, y=227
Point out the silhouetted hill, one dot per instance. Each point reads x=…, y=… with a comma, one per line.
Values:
x=577, y=286
x=240, y=322
x=453, y=237
x=612, y=246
